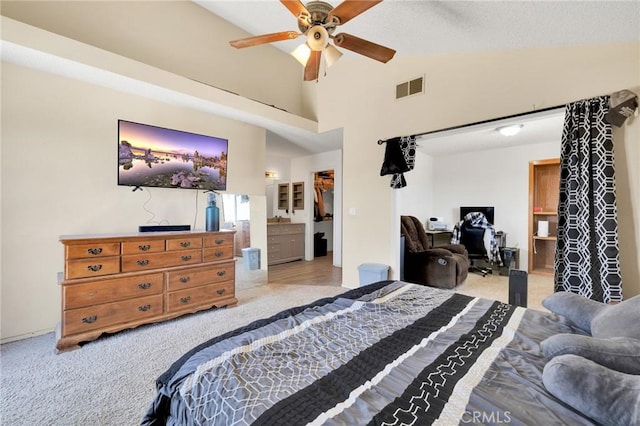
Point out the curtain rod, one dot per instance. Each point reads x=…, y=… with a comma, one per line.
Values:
x=380, y=142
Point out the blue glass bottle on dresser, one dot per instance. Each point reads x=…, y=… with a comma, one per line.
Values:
x=212, y=213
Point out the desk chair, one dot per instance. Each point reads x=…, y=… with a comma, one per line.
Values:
x=473, y=239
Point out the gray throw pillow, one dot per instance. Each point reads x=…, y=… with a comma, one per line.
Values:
x=620, y=320
x=620, y=353
x=605, y=395
x=577, y=309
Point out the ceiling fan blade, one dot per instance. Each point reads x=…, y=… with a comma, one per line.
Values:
x=263, y=39
x=312, y=69
x=297, y=8
x=349, y=9
x=364, y=47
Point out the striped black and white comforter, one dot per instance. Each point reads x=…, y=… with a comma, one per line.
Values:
x=389, y=353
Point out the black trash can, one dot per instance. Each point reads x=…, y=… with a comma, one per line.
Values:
x=319, y=244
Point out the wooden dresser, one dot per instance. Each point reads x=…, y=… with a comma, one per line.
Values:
x=117, y=281
x=285, y=242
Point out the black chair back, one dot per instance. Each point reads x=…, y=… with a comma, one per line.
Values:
x=473, y=239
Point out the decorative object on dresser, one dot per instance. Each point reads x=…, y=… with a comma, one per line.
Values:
x=285, y=242
x=212, y=213
x=117, y=281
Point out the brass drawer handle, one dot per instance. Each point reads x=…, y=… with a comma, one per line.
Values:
x=94, y=268
x=94, y=251
x=186, y=258
x=218, y=253
x=144, y=308
x=219, y=241
x=221, y=273
x=185, y=299
x=89, y=320
x=185, y=280
x=185, y=244
x=144, y=247
x=220, y=291
x=144, y=262
x=144, y=286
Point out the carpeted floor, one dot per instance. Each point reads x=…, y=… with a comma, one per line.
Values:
x=496, y=287
x=112, y=381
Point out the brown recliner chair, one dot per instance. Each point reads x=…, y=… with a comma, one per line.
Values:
x=443, y=266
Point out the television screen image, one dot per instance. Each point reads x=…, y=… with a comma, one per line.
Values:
x=487, y=211
x=157, y=157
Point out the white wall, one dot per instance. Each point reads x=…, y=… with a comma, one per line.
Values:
x=498, y=178
x=177, y=36
x=59, y=166
x=416, y=199
x=464, y=88
x=302, y=169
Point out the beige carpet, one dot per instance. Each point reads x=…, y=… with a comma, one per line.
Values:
x=496, y=287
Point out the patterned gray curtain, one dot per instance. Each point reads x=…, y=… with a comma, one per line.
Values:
x=587, y=254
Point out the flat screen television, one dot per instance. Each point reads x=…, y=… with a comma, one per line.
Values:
x=151, y=156
x=487, y=211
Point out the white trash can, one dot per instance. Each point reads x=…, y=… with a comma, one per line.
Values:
x=372, y=273
x=251, y=258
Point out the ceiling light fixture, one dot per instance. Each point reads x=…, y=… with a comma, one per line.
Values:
x=510, y=130
x=302, y=53
x=332, y=55
x=317, y=41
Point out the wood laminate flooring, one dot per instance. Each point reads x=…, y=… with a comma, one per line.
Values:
x=319, y=271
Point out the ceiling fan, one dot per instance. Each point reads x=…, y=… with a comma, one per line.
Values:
x=318, y=21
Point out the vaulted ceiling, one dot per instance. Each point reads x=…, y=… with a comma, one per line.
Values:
x=422, y=27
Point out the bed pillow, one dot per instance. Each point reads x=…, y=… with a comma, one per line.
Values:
x=620, y=353
x=620, y=320
x=578, y=309
x=603, y=394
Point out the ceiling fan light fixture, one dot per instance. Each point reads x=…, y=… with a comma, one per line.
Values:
x=317, y=38
x=302, y=53
x=332, y=55
x=511, y=130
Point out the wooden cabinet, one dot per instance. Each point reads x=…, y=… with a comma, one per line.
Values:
x=283, y=196
x=285, y=242
x=293, y=194
x=544, y=187
x=114, y=282
x=297, y=196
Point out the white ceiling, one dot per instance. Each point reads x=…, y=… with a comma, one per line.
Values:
x=418, y=27
x=414, y=27
x=537, y=127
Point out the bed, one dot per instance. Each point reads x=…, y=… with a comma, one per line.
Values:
x=388, y=353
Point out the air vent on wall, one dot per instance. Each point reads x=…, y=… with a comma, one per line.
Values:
x=410, y=88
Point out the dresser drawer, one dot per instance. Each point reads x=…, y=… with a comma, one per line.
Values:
x=108, y=314
x=219, y=240
x=84, y=268
x=184, y=244
x=143, y=262
x=110, y=290
x=203, y=295
x=82, y=251
x=139, y=247
x=292, y=229
x=193, y=277
x=213, y=254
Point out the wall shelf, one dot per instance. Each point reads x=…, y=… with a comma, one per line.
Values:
x=544, y=189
